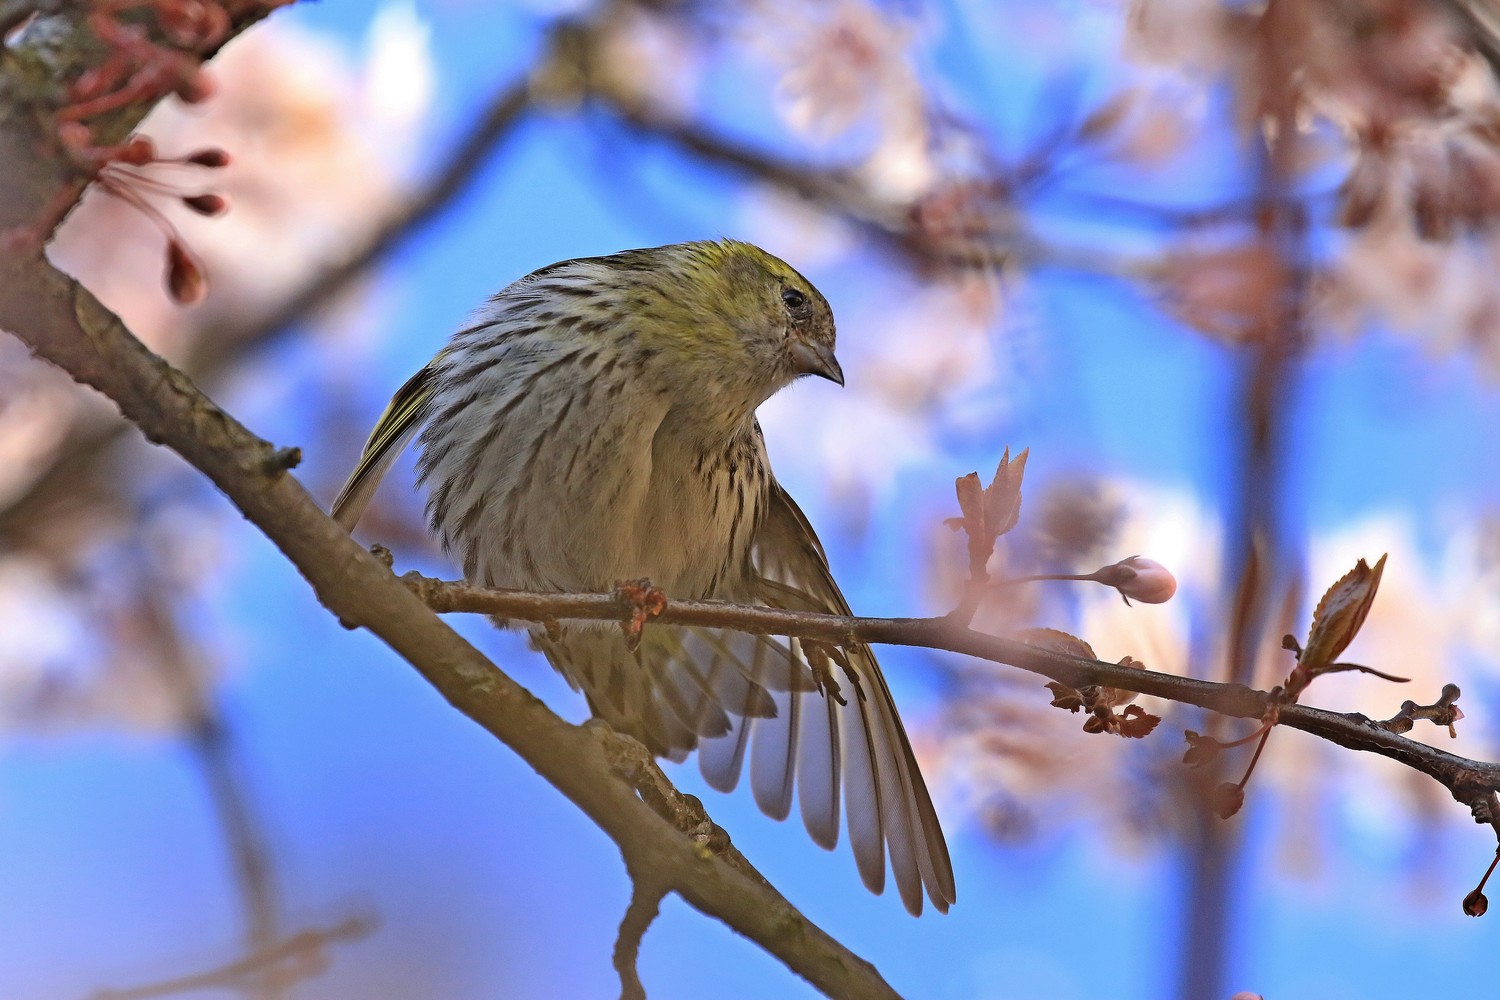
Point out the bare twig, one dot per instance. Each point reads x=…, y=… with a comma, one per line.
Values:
x=1443, y=712
x=296, y=957
x=243, y=836
x=838, y=191
x=210, y=744
x=1462, y=776
x=645, y=904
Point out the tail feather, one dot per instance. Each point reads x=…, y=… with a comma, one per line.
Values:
x=835, y=747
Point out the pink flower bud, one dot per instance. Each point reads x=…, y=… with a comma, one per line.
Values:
x=195, y=87
x=1152, y=582
x=1146, y=580
x=1228, y=798
x=137, y=151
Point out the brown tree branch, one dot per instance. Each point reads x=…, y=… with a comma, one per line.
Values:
x=288, y=960
x=610, y=778
x=645, y=904
x=1468, y=780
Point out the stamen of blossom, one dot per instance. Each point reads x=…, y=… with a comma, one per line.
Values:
x=123, y=171
x=137, y=151
x=211, y=157
x=206, y=204
x=195, y=87
x=185, y=280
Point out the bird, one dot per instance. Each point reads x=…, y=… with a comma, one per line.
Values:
x=595, y=423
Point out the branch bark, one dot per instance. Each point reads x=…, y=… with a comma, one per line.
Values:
x=1468, y=780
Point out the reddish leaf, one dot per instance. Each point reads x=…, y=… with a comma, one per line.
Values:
x=1136, y=722
x=1056, y=641
x=1339, y=615
x=1228, y=798
x=971, y=500
x=1002, y=498
x=1201, y=749
x=1065, y=697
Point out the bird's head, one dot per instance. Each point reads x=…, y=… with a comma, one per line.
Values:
x=782, y=324
x=741, y=322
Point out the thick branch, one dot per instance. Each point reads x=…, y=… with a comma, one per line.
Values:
x=1465, y=778
x=67, y=326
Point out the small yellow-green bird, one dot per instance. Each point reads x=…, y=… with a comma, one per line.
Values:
x=596, y=423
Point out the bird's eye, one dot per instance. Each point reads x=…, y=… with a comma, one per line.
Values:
x=793, y=298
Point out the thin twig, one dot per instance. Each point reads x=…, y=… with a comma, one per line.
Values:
x=645, y=904
x=838, y=191
x=1353, y=731
x=212, y=749
x=294, y=957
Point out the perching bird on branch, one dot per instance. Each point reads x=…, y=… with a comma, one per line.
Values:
x=596, y=423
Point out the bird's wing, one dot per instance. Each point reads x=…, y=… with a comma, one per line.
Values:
x=845, y=730
x=809, y=729
x=393, y=430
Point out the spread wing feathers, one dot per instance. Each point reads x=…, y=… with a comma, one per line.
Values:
x=735, y=696
x=395, y=428
x=680, y=687
x=808, y=727
x=853, y=732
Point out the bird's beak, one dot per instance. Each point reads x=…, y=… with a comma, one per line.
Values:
x=817, y=359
